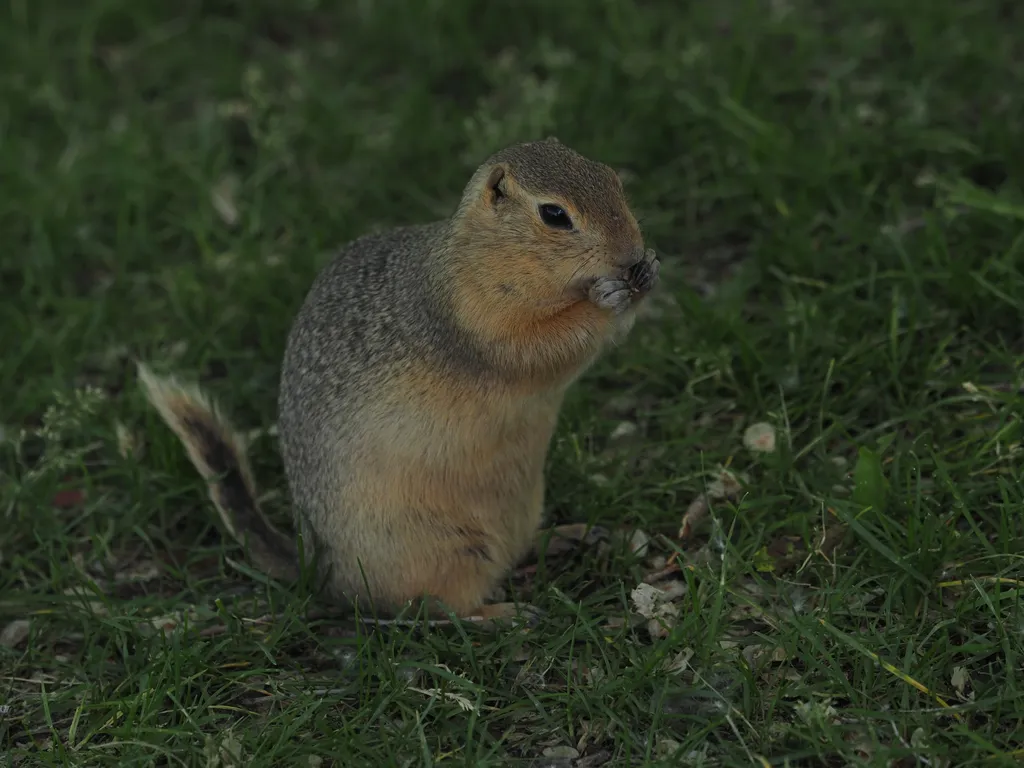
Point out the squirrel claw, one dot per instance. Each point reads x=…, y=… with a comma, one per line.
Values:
x=610, y=293
x=643, y=275
x=617, y=293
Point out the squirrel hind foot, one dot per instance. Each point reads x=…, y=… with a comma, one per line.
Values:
x=488, y=615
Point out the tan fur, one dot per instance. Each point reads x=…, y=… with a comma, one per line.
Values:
x=544, y=329
x=422, y=383
x=438, y=446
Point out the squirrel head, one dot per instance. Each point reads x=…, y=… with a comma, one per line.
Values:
x=538, y=222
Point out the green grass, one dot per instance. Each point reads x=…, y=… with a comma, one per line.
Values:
x=836, y=192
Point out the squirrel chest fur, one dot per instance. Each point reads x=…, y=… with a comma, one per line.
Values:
x=422, y=382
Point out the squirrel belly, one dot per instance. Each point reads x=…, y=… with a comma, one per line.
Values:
x=438, y=492
x=422, y=381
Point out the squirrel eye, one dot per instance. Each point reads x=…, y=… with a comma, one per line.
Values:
x=554, y=216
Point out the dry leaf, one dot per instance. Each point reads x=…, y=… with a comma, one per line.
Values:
x=562, y=752
x=15, y=633
x=680, y=662
x=639, y=543
x=594, y=759
x=87, y=599
x=760, y=438
x=172, y=621
x=635, y=540
x=646, y=599
x=436, y=693
x=759, y=655
x=223, y=752
x=614, y=623
x=141, y=573
x=665, y=748
x=234, y=108
x=754, y=655
x=960, y=679
x=671, y=589
x=622, y=431
x=223, y=198
x=786, y=552
x=656, y=563
x=260, y=432
x=177, y=350
x=725, y=486
x=68, y=498
x=651, y=603
x=128, y=445
x=694, y=515
x=817, y=712
x=662, y=573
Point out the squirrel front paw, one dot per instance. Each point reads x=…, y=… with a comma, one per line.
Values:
x=610, y=293
x=643, y=276
x=617, y=293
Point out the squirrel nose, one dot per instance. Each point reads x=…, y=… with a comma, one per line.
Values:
x=635, y=256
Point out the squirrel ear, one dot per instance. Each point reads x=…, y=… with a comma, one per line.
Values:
x=495, y=186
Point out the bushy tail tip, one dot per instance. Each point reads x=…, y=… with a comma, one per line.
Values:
x=218, y=452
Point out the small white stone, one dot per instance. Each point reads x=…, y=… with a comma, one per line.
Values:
x=760, y=438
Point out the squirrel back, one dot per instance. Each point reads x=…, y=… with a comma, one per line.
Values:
x=422, y=380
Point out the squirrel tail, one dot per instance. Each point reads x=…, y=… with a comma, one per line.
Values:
x=218, y=452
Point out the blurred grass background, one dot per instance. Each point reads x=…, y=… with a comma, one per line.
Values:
x=835, y=190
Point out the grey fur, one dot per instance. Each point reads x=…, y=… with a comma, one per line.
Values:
x=349, y=338
x=382, y=307
x=611, y=293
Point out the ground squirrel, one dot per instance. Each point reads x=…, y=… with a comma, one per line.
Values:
x=421, y=384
